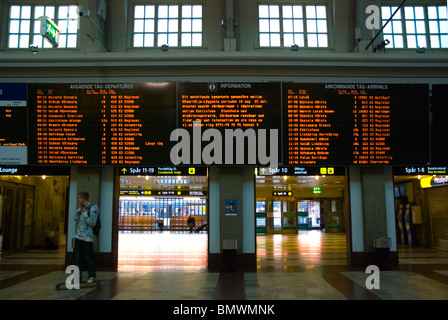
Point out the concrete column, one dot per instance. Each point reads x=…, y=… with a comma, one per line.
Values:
x=89, y=37
x=117, y=26
x=229, y=41
x=360, y=21
x=237, y=184
x=372, y=213
x=344, y=25
x=99, y=183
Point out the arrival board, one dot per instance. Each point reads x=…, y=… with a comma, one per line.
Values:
x=355, y=124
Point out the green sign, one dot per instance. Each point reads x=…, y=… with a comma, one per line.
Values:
x=317, y=190
x=49, y=30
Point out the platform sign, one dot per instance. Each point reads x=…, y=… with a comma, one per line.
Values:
x=147, y=192
x=419, y=170
x=301, y=171
x=282, y=194
x=163, y=171
x=13, y=123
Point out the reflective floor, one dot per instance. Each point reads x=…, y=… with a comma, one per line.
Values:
x=162, y=250
x=154, y=266
x=307, y=248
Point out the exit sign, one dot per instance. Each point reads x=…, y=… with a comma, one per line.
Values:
x=317, y=190
x=49, y=30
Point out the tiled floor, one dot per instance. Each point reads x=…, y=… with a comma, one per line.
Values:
x=159, y=266
x=162, y=250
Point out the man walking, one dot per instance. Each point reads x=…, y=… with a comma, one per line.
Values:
x=86, y=216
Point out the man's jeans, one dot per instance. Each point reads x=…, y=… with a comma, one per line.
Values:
x=84, y=253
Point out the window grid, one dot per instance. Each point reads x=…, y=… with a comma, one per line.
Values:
x=293, y=29
x=19, y=26
x=416, y=27
x=316, y=26
x=394, y=29
x=438, y=26
x=286, y=25
x=167, y=25
x=24, y=26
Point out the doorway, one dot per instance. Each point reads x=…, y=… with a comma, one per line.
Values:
x=300, y=220
x=33, y=215
x=163, y=222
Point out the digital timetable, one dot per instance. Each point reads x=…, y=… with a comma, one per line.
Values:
x=355, y=124
x=13, y=123
x=131, y=124
x=101, y=124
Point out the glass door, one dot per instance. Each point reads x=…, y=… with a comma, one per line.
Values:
x=314, y=214
x=277, y=210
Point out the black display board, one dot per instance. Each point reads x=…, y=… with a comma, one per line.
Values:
x=250, y=107
x=355, y=124
x=322, y=125
x=439, y=140
x=101, y=124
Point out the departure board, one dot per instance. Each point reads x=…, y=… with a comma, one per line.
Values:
x=232, y=106
x=439, y=120
x=355, y=124
x=101, y=124
x=13, y=123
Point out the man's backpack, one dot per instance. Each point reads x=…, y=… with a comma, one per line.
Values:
x=97, y=227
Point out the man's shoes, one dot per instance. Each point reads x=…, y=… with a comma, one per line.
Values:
x=91, y=280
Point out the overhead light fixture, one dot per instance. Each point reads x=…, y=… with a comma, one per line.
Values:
x=34, y=49
x=381, y=46
x=421, y=50
x=294, y=48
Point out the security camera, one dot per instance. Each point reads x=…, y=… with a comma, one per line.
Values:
x=82, y=11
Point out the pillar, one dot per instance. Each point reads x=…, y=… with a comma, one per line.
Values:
x=117, y=26
x=99, y=183
x=372, y=214
x=237, y=184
